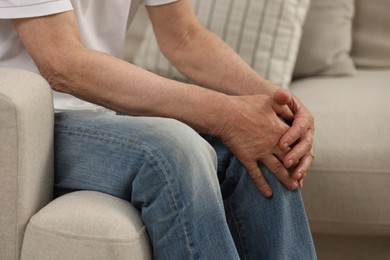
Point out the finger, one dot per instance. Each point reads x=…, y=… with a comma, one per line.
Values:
x=259, y=180
x=281, y=173
x=300, y=184
x=298, y=129
x=282, y=97
x=280, y=154
x=301, y=170
x=280, y=100
x=299, y=150
x=283, y=111
x=280, y=109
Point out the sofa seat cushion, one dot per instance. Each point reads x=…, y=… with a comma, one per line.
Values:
x=86, y=225
x=347, y=188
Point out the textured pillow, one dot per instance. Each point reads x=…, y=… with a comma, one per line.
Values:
x=371, y=33
x=265, y=33
x=326, y=40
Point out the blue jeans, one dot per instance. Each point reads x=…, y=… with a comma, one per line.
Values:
x=195, y=197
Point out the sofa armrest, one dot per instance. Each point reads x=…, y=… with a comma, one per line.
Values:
x=26, y=152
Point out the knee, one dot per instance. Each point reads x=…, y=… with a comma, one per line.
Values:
x=180, y=150
x=178, y=161
x=179, y=142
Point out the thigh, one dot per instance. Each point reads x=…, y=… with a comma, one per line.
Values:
x=162, y=166
x=105, y=152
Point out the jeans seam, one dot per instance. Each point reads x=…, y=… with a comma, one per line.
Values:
x=238, y=231
x=160, y=162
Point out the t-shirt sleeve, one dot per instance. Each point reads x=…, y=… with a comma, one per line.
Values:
x=12, y=9
x=157, y=2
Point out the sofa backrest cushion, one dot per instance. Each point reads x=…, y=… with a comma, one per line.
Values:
x=371, y=33
x=266, y=34
x=326, y=39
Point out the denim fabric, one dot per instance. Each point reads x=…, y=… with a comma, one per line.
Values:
x=195, y=198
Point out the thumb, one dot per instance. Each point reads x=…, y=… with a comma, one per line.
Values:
x=282, y=97
x=281, y=101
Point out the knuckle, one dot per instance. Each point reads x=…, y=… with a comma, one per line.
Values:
x=312, y=154
x=280, y=129
x=302, y=130
x=277, y=168
x=309, y=144
x=285, y=128
x=254, y=171
x=303, y=175
x=255, y=174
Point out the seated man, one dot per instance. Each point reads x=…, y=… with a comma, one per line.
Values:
x=214, y=170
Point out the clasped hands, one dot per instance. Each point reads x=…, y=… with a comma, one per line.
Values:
x=257, y=131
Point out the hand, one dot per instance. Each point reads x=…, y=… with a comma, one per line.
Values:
x=252, y=131
x=299, y=137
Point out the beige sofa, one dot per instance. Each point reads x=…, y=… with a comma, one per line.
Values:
x=82, y=225
x=346, y=192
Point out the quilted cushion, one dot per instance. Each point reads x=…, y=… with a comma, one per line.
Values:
x=266, y=34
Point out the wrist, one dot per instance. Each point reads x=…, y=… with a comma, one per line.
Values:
x=217, y=112
x=266, y=87
x=203, y=109
x=222, y=114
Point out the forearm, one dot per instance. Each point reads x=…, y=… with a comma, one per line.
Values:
x=206, y=59
x=54, y=44
x=123, y=87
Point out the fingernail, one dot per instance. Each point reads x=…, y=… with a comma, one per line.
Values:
x=299, y=175
x=294, y=185
x=268, y=193
x=285, y=146
x=290, y=163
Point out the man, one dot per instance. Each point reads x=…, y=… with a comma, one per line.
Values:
x=232, y=192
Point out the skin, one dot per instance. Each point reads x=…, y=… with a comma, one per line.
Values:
x=235, y=104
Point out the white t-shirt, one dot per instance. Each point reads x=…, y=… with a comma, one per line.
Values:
x=103, y=25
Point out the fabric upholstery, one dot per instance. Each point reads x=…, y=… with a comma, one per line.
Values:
x=342, y=247
x=266, y=34
x=371, y=34
x=86, y=225
x=26, y=127
x=326, y=40
x=347, y=189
